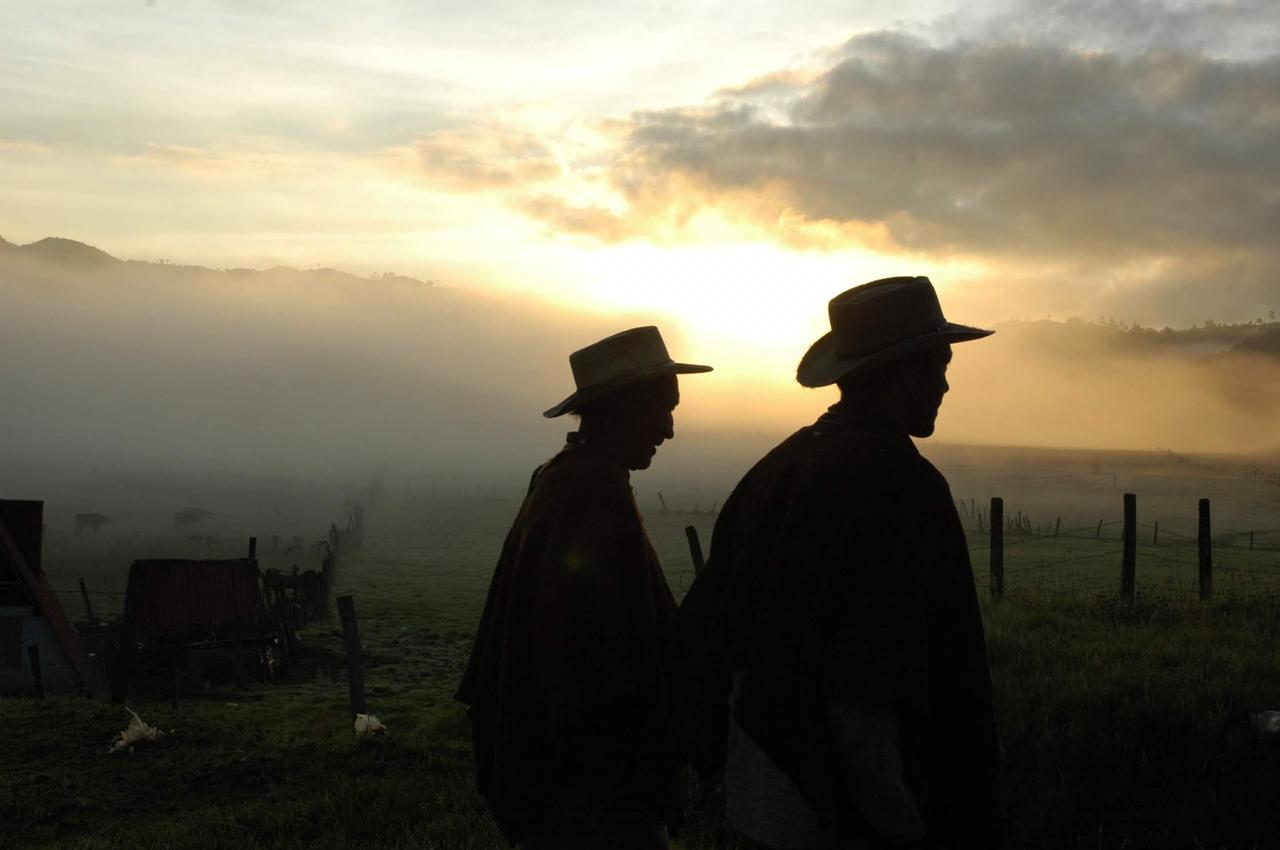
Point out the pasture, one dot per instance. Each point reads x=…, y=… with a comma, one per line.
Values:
x=1124, y=725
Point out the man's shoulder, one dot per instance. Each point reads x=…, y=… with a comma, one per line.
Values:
x=575, y=471
x=843, y=449
x=845, y=462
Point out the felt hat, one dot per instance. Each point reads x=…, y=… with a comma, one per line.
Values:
x=616, y=361
x=876, y=323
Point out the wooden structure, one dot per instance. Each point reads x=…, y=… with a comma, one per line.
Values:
x=39, y=649
x=172, y=606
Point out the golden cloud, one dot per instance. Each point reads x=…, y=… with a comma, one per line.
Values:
x=485, y=157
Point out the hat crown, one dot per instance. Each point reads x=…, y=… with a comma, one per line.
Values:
x=617, y=361
x=627, y=353
x=876, y=315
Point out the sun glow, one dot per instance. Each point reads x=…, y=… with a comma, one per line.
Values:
x=750, y=310
x=756, y=305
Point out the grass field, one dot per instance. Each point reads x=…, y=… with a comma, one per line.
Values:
x=1124, y=725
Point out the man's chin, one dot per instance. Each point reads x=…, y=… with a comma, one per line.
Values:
x=924, y=430
x=642, y=461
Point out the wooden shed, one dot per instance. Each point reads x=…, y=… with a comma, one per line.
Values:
x=174, y=605
x=30, y=613
x=185, y=600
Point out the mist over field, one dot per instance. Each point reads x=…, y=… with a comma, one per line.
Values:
x=314, y=374
x=321, y=374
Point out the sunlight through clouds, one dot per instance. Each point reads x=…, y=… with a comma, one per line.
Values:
x=1096, y=158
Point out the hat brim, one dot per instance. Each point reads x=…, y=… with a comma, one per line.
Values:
x=821, y=366
x=589, y=394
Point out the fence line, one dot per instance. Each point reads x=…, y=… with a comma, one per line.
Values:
x=1004, y=531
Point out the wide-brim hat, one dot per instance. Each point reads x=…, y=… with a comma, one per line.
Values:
x=616, y=361
x=876, y=323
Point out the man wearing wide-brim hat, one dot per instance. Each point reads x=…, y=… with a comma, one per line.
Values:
x=570, y=681
x=835, y=661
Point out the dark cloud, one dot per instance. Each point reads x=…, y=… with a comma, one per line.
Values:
x=1010, y=153
x=1003, y=148
x=1229, y=28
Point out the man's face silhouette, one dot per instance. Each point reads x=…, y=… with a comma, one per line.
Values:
x=648, y=426
x=923, y=383
x=635, y=423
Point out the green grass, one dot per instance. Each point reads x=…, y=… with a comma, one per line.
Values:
x=1129, y=725
x=1124, y=726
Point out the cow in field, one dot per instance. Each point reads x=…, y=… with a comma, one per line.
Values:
x=91, y=521
x=191, y=516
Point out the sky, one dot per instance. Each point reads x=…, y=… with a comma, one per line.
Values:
x=721, y=168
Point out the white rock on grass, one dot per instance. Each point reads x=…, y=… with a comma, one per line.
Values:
x=136, y=732
x=1267, y=722
x=368, y=724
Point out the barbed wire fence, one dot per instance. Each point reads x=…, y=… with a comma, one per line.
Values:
x=1147, y=559
x=1090, y=560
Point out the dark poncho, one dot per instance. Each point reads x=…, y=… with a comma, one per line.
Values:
x=568, y=678
x=839, y=568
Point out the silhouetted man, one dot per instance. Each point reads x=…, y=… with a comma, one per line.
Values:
x=571, y=677
x=836, y=661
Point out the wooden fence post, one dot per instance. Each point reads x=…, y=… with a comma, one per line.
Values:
x=1128, y=565
x=1205, y=546
x=1155, y=534
x=695, y=548
x=88, y=606
x=997, y=547
x=355, y=666
x=122, y=664
x=1099, y=533
x=237, y=651
x=37, y=675
x=1057, y=526
x=1250, y=539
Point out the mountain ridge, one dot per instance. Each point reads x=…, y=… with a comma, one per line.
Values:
x=56, y=249
x=1258, y=337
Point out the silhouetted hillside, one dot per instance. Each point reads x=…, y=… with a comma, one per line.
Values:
x=1075, y=337
x=1266, y=342
x=56, y=250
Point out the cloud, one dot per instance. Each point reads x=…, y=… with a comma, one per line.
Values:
x=18, y=147
x=1010, y=154
x=203, y=162
x=999, y=148
x=1222, y=28
x=484, y=157
x=563, y=217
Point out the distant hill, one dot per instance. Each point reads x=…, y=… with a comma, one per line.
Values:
x=288, y=370
x=1265, y=342
x=1078, y=338
x=54, y=249
x=278, y=370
